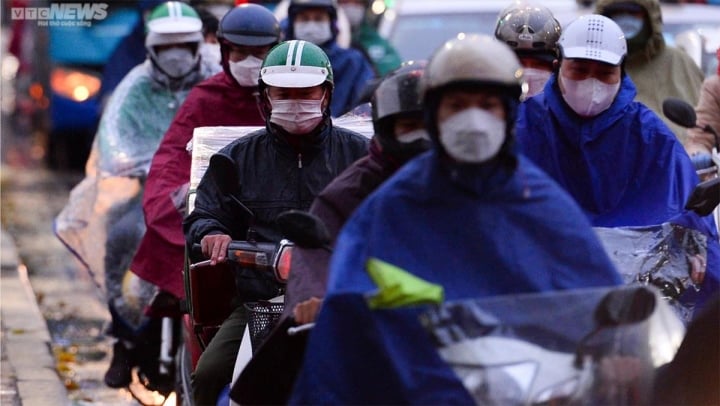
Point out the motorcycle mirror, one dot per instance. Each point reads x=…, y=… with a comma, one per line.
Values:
x=705, y=197
x=227, y=182
x=304, y=229
x=679, y=112
x=619, y=307
x=625, y=306
x=225, y=173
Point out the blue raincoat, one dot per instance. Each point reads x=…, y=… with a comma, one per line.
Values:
x=624, y=167
x=437, y=231
x=351, y=72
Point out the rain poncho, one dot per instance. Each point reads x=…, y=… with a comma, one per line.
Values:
x=658, y=70
x=378, y=49
x=433, y=232
x=108, y=200
x=351, y=72
x=624, y=167
x=218, y=101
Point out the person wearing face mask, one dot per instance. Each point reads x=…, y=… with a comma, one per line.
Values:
x=315, y=21
x=532, y=32
x=228, y=98
x=103, y=220
x=366, y=39
x=471, y=218
x=281, y=167
x=400, y=135
x=615, y=156
x=657, y=70
x=210, y=48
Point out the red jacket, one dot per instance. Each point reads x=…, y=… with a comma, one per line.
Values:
x=218, y=101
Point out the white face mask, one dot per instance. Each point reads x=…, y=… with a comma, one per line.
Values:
x=316, y=32
x=246, y=71
x=472, y=136
x=588, y=97
x=297, y=116
x=210, y=53
x=176, y=62
x=412, y=136
x=536, y=79
x=355, y=13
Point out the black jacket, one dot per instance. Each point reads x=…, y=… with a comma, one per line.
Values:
x=274, y=176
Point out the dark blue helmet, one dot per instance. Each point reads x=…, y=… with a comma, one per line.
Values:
x=249, y=24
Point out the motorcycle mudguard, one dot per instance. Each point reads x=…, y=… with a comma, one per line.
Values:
x=270, y=375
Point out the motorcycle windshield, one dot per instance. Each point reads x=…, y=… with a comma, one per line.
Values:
x=555, y=347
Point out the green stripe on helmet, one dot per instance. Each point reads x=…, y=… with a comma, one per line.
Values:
x=174, y=17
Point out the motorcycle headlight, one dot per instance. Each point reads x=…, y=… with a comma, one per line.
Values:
x=74, y=84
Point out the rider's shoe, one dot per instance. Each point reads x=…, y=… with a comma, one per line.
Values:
x=119, y=374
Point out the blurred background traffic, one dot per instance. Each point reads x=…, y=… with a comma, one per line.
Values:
x=60, y=75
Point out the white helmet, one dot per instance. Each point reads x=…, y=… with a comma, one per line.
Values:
x=594, y=37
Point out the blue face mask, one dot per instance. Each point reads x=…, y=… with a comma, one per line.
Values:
x=629, y=24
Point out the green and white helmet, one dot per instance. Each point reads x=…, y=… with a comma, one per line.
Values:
x=173, y=22
x=296, y=64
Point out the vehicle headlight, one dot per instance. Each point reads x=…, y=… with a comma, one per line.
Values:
x=74, y=84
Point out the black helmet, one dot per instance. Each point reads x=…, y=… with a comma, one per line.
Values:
x=298, y=5
x=529, y=30
x=397, y=95
x=251, y=25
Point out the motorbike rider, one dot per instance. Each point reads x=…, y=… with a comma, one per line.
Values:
x=365, y=37
x=648, y=57
x=400, y=135
x=103, y=221
x=472, y=218
x=532, y=32
x=281, y=167
x=229, y=98
x=610, y=152
x=315, y=21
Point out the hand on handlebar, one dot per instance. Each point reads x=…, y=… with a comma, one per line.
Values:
x=306, y=311
x=214, y=246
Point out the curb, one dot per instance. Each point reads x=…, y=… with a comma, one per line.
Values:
x=26, y=339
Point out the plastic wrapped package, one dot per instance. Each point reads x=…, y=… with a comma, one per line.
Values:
x=660, y=256
x=209, y=140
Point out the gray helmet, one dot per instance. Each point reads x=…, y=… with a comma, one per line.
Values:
x=529, y=30
x=473, y=58
x=474, y=61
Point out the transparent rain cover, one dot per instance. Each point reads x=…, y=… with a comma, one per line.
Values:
x=548, y=348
